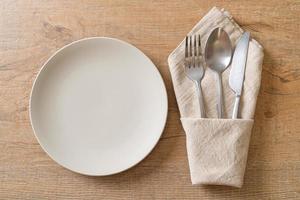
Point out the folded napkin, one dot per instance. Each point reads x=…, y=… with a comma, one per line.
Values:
x=217, y=148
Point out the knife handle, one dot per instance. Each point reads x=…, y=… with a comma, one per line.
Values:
x=236, y=107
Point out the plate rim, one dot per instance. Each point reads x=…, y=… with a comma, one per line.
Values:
x=55, y=54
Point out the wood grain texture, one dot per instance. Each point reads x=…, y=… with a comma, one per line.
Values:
x=31, y=30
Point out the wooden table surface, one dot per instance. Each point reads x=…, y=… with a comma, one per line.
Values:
x=32, y=30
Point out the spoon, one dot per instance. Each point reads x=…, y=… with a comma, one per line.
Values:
x=218, y=53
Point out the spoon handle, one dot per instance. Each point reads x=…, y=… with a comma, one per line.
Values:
x=200, y=98
x=220, y=96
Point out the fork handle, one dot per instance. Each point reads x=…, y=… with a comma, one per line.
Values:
x=200, y=98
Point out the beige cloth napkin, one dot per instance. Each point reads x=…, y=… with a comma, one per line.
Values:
x=217, y=148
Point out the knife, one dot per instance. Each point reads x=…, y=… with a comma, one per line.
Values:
x=237, y=72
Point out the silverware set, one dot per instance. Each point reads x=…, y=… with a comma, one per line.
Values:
x=217, y=56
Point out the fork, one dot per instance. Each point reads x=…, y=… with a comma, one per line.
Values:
x=193, y=66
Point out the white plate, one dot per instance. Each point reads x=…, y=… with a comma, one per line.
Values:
x=98, y=106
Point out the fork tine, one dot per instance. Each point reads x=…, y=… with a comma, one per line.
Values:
x=194, y=50
x=195, y=45
x=186, y=47
x=199, y=46
x=191, y=46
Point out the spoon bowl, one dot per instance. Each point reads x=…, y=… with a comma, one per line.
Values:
x=218, y=50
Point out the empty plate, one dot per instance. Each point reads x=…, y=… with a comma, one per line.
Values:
x=98, y=106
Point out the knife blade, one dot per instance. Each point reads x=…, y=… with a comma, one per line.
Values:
x=237, y=72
